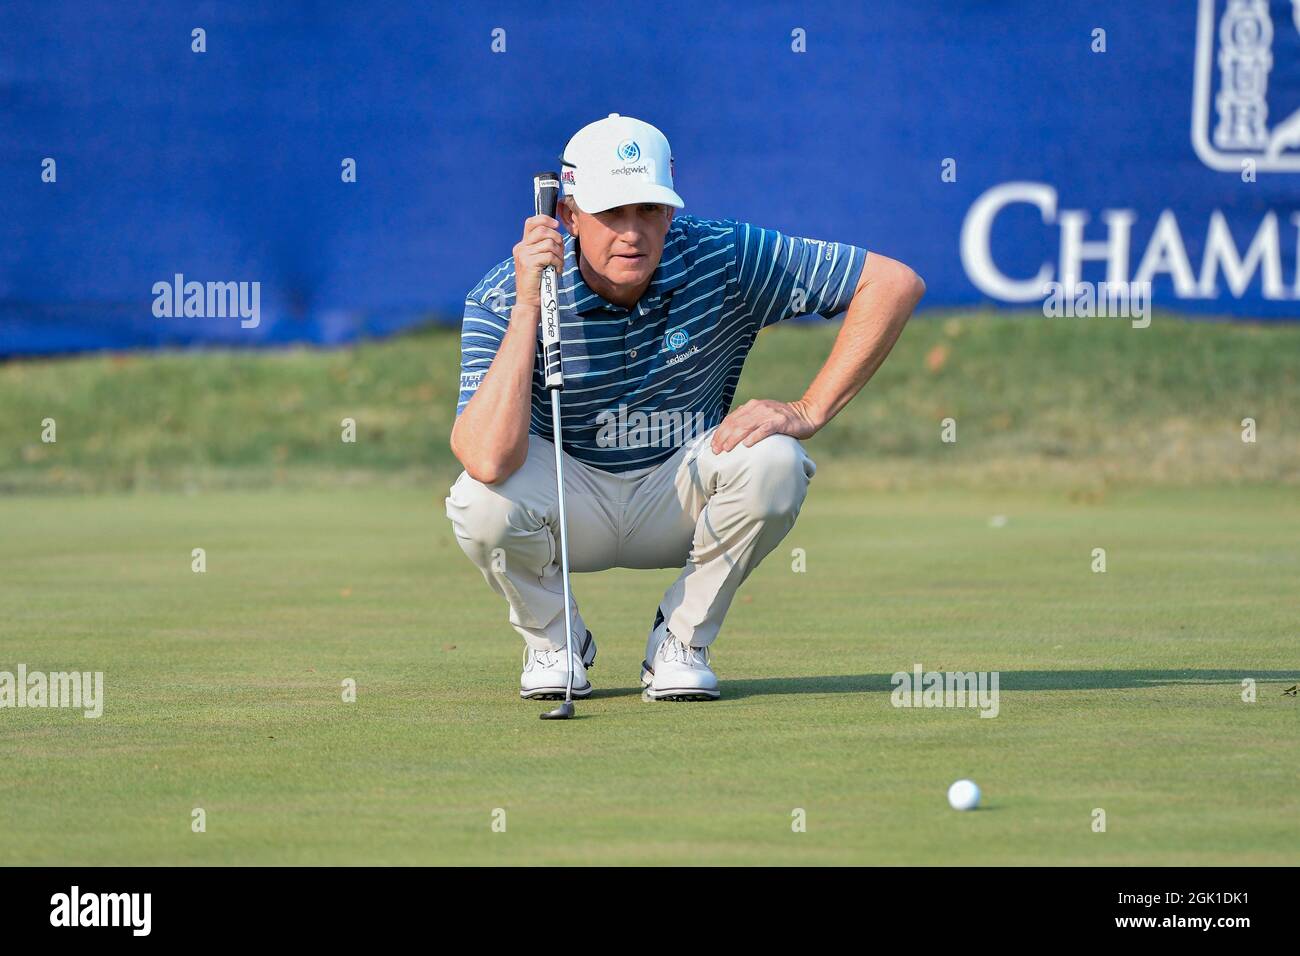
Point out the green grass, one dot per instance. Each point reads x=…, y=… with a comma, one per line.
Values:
x=326, y=561
x=1088, y=403
x=1120, y=691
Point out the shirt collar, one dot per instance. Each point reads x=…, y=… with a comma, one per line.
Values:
x=669, y=275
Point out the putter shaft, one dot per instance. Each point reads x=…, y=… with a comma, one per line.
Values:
x=564, y=541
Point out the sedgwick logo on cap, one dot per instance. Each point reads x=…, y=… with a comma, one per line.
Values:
x=638, y=170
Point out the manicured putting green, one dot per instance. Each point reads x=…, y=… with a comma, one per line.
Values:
x=1120, y=691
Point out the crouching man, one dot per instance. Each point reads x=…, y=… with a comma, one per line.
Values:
x=658, y=313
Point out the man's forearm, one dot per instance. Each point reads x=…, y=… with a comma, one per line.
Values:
x=884, y=301
x=491, y=435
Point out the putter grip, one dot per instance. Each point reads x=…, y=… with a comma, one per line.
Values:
x=546, y=194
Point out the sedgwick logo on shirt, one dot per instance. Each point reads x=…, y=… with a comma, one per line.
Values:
x=103, y=909
x=675, y=340
x=683, y=356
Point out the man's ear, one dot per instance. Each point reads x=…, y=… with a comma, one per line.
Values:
x=564, y=210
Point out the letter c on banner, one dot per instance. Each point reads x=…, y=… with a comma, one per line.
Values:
x=977, y=257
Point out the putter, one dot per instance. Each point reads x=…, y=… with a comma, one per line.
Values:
x=546, y=192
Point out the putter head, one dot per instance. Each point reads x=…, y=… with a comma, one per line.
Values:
x=563, y=712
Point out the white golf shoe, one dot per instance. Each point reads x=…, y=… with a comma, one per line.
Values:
x=673, y=670
x=545, y=676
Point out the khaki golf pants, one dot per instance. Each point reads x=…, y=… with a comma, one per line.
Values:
x=714, y=516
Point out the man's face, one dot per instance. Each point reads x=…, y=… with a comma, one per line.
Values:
x=623, y=244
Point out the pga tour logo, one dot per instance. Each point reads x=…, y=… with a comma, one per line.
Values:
x=1246, y=98
x=1245, y=116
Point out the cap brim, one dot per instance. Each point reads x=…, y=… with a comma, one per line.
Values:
x=626, y=195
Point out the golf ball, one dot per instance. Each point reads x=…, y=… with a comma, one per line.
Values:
x=964, y=795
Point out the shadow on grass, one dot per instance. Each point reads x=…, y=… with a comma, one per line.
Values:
x=1008, y=680
x=1017, y=680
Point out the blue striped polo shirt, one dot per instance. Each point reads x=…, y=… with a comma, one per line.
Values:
x=639, y=382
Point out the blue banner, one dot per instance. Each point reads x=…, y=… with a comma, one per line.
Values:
x=249, y=174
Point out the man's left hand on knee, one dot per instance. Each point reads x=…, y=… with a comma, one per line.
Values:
x=759, y=418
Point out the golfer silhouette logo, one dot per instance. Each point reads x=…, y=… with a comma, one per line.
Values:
x=629, y=151
x=1246, y=74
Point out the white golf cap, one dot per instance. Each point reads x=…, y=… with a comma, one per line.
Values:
x=616, y=161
